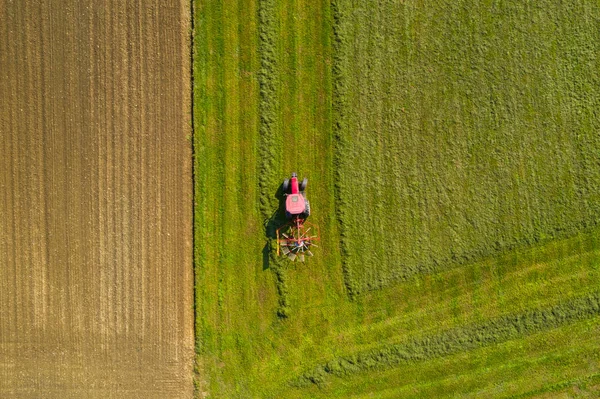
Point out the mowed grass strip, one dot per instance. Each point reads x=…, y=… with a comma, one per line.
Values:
x=519, y=368
x=244, y=339
x=474, y=294
x=271, y=144
x=458, y=340
x=229, y=235
x=464, y=130
x=427, y=306
x=295, y=132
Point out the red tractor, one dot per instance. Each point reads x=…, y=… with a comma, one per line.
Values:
x=293, y=238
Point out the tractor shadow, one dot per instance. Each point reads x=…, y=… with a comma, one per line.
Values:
x=271, y=225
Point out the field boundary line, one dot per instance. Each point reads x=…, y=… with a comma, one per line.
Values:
x=192, y=37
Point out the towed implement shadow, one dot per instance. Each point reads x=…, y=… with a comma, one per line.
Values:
x=271, y=225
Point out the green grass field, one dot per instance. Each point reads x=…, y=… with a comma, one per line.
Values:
x=468, y=128
x=454, y=163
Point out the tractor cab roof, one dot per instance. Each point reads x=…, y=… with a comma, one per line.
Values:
x=295, y=204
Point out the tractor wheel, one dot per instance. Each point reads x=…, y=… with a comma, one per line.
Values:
x=307, y=209
x=285, y=186
x=303, y=184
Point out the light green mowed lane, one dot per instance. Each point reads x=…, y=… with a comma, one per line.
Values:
x=305, y=125
x=499, y=371
x=515, y=367
x=469, y=128
x=459, y=299
x=239, y=333
x=229, y=233
x=532, y=278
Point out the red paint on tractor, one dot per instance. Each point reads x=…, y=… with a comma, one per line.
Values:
x=294, y=183
x=294, y=204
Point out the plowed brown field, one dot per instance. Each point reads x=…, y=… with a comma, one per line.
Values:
x=95, y=200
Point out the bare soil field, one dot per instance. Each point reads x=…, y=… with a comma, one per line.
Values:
x=96, y=280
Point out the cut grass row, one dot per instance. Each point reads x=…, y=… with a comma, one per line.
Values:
x=473, y=295
x=446, y=131
x=271, y=146
x=339, y=126
x=517, y=368
x=457, y=340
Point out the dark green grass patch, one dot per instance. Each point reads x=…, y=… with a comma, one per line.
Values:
x=465, y=129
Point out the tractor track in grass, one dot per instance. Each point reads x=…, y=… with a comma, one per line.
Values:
x=95, y=200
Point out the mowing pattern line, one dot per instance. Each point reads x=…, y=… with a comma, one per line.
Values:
x=270, y=146
x=457, y=340
x=586, y=380
x=499, y=370
x=339, y=78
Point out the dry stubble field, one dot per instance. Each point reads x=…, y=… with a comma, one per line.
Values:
x=95, y=200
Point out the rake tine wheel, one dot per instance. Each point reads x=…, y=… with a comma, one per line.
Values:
x=306, y=231
x=297, y=242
